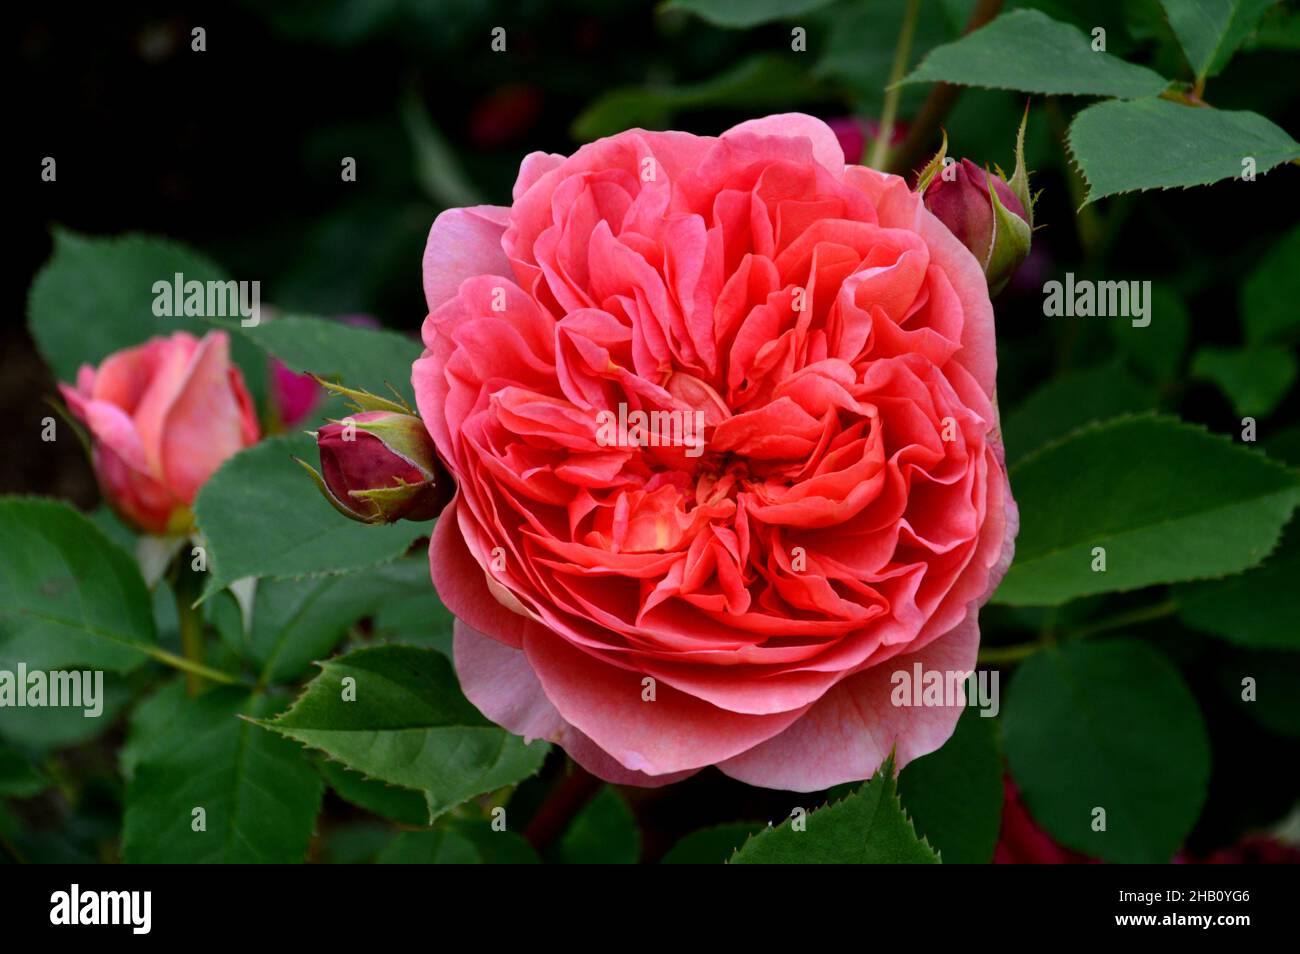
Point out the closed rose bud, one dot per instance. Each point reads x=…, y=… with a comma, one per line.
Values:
x=990, y=215
x=962, y=203
x=162, y=418
x=380, y=467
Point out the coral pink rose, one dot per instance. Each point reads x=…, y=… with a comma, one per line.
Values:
x=658, y=609
x=162, y=417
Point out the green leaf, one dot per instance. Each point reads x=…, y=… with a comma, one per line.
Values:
x=404, y=805
x=1270, y=293
x=1211, y=30
x=19, y=778
x=68, y=597
x=95, y=296
x=262, y=517
x=1157, y=349
x=415, y=617
x=259, y=795
x=711, y=846
x=1108, y=725
x=1271, y=699
x=760, y=82
x=867, y=827
x=1027, y=50
x=367, y=358
x=954, y=795
x=148, y=722
x=858, y=40
x=603, y=833
x=1167, y=501
x=742, y=14
x=50, y=728
x=459, y=842
x=355, y=843
x=1254, y=379
x=1284, y=445
x=296, y=622
x=1256, y=609
x=1157, y=144
x=408, y=725
x=1066, y=403
x=1279, y=30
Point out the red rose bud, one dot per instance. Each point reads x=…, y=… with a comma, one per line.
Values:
x=991, y=215
x=380, y=467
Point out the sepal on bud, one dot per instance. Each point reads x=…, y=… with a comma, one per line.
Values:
x=380, y=466
x=934, y=166
x=360, y=399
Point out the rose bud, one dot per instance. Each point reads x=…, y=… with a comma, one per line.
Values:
x=162, y=418
x=991, y=215
x=380, y=467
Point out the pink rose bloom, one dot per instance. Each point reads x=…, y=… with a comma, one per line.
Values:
x=658, y=609
x=162, y=417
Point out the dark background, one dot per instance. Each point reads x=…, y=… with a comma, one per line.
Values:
x=236, y=150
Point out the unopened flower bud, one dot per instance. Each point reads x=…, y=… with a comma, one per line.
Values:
x=380, y=467
x=990, y=215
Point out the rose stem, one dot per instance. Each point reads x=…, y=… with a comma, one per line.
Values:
x=880, y=147
x=942, y=97
x=566, y=799
x=998, y=655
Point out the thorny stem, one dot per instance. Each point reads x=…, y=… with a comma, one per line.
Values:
x=880, y=148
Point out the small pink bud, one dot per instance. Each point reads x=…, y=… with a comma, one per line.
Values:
x=963, y=204
x=990, y=215
x=380, y=467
